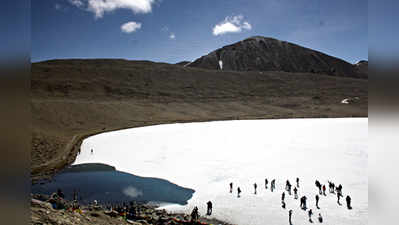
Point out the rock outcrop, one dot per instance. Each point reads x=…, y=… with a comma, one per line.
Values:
x=362, y=68
x=269, y=54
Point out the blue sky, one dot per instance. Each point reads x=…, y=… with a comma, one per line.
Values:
x=176, y=30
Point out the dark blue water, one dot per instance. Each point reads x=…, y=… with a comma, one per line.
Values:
x=114, y=186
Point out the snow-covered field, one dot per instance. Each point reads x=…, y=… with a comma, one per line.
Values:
x=208, y=156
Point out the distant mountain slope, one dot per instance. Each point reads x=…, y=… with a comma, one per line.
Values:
x=269, y=54
x=362, y=67
x=183, y=63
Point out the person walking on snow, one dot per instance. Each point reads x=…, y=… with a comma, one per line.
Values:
x=209, y=208
x=339, y=195
x=348, y=202
x=303, y=202
x=310, y=213
x=320, y=218
x=317, y=201
x=295, y=193
x=287, y=184
x=289, y=188
x=255, y=186
x=283, y=196
x=290, y=216
x=273, y=185
x=231, y=187
x=266, y=182
x=318, y=185
x=324, y=189
x=238, y=192
x=297, y=182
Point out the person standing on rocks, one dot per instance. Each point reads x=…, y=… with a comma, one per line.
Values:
x=255, y=186
x=209, y=208
x=194, y=214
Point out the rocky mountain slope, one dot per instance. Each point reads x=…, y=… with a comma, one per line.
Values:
x=269, y=54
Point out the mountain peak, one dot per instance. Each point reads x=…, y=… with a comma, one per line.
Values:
x=258, y=53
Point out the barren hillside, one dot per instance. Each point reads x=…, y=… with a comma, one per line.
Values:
x=74, y=99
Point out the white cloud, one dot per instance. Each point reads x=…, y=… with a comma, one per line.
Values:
x=172, y=36
x=231, y=25
x=130, y=27
x=132, y=192
x=77, y=3
x=99, y=7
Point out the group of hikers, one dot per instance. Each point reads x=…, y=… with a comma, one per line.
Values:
x=195, y=214
x=289, y=188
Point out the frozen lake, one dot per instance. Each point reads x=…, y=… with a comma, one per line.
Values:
x=208, y=156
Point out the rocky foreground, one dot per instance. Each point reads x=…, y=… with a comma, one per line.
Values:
x=43, y=212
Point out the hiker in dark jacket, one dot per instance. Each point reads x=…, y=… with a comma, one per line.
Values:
x=297, y=182
x=238, y=192
x=348, y=202
x=290, y=216
x=287, y=184
x=320, y=218
x=339, y=195
x=266, y=182
x=303, y=202
x=317, y=201
x=255, y=186
x=194, y=214
x=310, y=213
x=273, y=185
x=318, y=185
x=209, y=208
x=231, y=187
x=283, y=196
x=295, y=193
